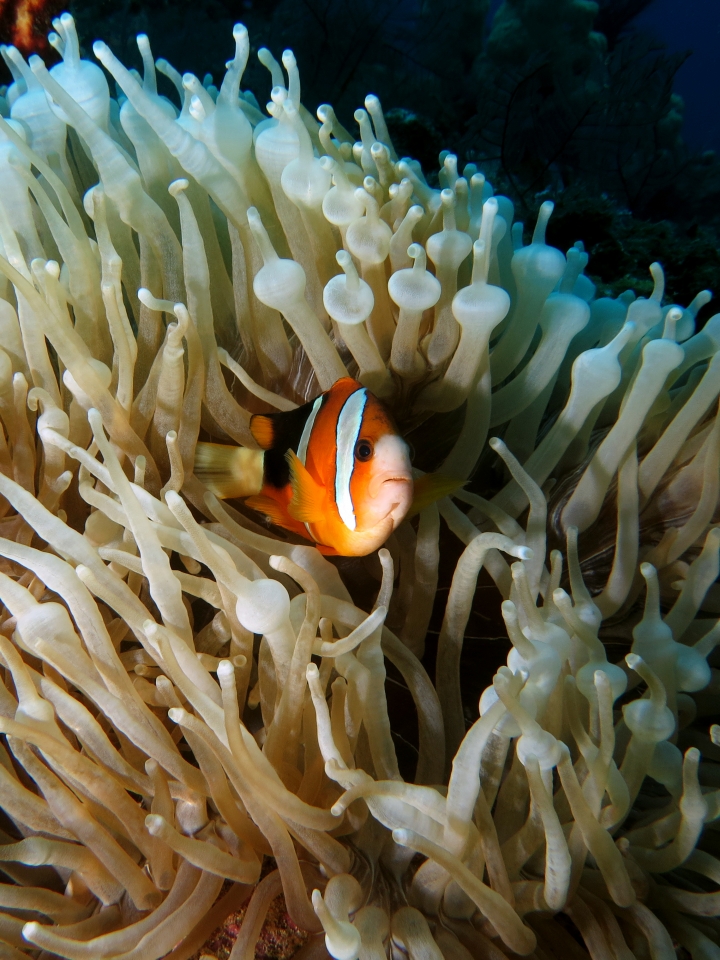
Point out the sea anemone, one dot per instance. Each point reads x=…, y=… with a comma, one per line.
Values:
x=195, y=707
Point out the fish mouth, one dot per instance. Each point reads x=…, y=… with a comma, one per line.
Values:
x=377, y=485
x=402, y=498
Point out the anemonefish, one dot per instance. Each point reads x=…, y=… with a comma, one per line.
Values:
x=335, y=471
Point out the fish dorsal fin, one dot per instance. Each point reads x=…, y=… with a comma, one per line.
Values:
x=280, y=431
x=309, y=500
x=432, y=487
x=262, y=427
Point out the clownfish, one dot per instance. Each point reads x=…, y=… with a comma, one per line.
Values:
x=335, y=471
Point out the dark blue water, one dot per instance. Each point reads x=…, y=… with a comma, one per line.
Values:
x=692, y=25
x=688, y=25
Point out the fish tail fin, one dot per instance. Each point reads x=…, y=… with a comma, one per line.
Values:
x=229, y=471
x=432, y=487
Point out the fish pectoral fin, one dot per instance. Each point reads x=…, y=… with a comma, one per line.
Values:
x=326, y=551
x=270, y=508
x=432, y=487
x=229, y=471
x=308, y=501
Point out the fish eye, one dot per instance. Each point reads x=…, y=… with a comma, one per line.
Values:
x=363, y=450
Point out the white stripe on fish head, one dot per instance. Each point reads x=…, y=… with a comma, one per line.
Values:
x=348, y=432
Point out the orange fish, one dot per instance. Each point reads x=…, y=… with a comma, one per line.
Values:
x=335, y=471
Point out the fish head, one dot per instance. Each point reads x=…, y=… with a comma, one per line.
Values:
x=356, y=484
x=383, y=482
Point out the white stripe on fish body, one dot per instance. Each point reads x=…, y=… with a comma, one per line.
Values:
x=348, y=432
x=307, y=430
x=305, y=440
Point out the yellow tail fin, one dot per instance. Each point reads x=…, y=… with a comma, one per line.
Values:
x=229, y=471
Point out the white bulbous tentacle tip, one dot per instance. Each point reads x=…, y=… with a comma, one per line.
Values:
x=65, y=26
x=312, y=672
x=37, y=65
x=56, y=42
x=658, y=275
x=367, y=199
x=634, y=661
x=225, y=670
x=154, y=303
x=101, y=50
x=490, y=206
x=346, y=262
x=178, y=186
x=417, y=253
x=648, y=571
x=480, y=263
x=672, y=318
x=154, y=823
x=658, y=694
x=544, y=214
x=95, y=419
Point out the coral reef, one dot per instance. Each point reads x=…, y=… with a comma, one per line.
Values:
x=607, y=121
x=198, y=710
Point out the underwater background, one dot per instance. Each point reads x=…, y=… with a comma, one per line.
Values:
x=609, y=108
